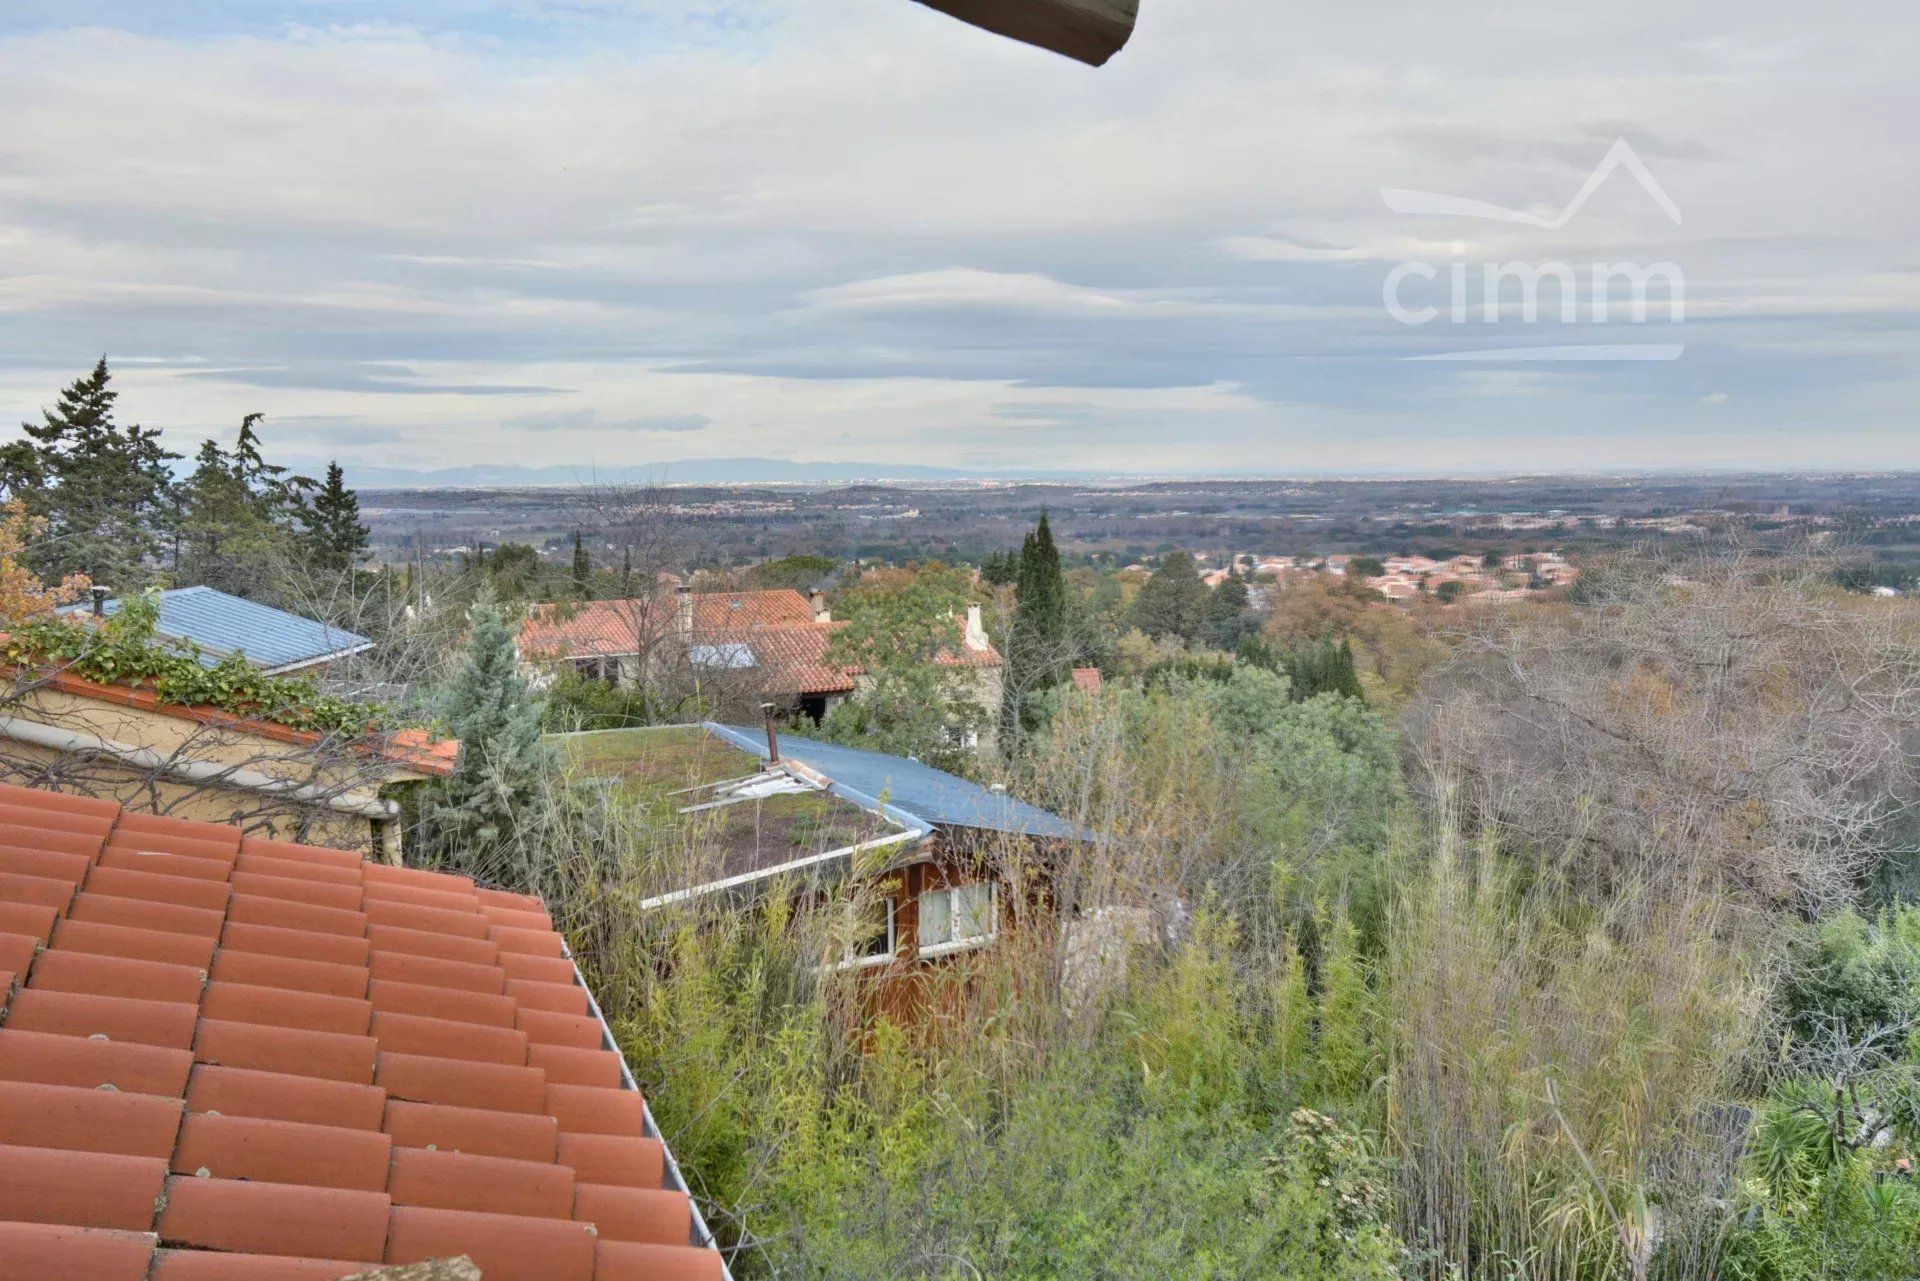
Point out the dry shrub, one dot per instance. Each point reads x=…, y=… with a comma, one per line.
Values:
x=1561, y=1066
x=1722, y=719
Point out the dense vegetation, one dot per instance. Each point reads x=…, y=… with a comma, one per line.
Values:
x=1566, y=941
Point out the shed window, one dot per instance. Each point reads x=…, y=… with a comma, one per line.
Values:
x=956, y=915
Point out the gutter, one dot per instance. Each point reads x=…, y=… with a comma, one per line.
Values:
x=301, y=664
x=701, y=1236
x=359, y=804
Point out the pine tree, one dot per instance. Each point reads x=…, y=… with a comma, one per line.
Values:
x=582, y=568
x=240, y=518
x=1171, y=602
x=498, y=787
x=335, y=538
x=103, y=489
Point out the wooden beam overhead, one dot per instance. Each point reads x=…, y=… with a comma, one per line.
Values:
x=1089, y=30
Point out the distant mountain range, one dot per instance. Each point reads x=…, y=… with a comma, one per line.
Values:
x=691, y=471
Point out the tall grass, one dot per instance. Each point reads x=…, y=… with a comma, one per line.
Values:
x=1562, y=1068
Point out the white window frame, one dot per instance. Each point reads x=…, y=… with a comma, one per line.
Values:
x=968, y=942
x=850, y=959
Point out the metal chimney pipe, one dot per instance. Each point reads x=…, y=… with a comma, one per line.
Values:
x=773, y=734
x=100, y=595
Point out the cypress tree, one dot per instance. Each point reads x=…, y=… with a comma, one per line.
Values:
x=1041, y=609
x=1038, y=656
x=582, y=567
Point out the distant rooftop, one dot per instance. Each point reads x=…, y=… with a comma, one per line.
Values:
x=222, y=624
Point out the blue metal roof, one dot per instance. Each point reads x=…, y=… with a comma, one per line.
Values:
x=222, y=624
x=931, y=795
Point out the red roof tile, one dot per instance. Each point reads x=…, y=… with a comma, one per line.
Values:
x=335, y=1056
x=135, y=944
x=16, y=955
x=481, y=1131
x=490, y=1184
x=283, y=1096
x=634, y=1214
x=80, y=1120
x=614, y=1159
x=244, y=1147
x=296, y=1219
x=91, y=1064
x=637, y=1261
x=117, y=1018
x=284, y=1064
x=55, y=1250
x=32, y=919
x=63, y=970
x=205, y=1265
x=305, y=945
x=565, y=1065
x=79, y=1189
x=504, y=1247
x=53, y=864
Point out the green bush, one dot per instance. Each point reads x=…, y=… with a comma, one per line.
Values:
x=1854, y=973
x=575, y=702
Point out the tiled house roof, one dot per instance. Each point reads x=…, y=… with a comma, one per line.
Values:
x=602, y=628
x=791, y=658
x=232, y=1059
x=773, y=634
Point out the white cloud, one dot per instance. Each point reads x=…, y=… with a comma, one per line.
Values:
x=855, y=225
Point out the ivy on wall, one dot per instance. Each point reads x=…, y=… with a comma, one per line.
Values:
x=125, y=651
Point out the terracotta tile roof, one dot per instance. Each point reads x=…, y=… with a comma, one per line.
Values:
x=605, y=627
x=1087, y=679
x=792, y=658
x=227, y=1058
x=785, y=648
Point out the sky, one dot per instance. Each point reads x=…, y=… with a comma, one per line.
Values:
x=596, y=233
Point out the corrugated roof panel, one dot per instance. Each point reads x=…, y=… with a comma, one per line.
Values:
x=923, y=791
x=225, y=624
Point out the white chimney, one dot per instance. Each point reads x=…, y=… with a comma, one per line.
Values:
x=818, y=599
x=684, y=596
x=976, y=637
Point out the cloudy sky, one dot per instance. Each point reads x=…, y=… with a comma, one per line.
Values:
x=431, y=233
